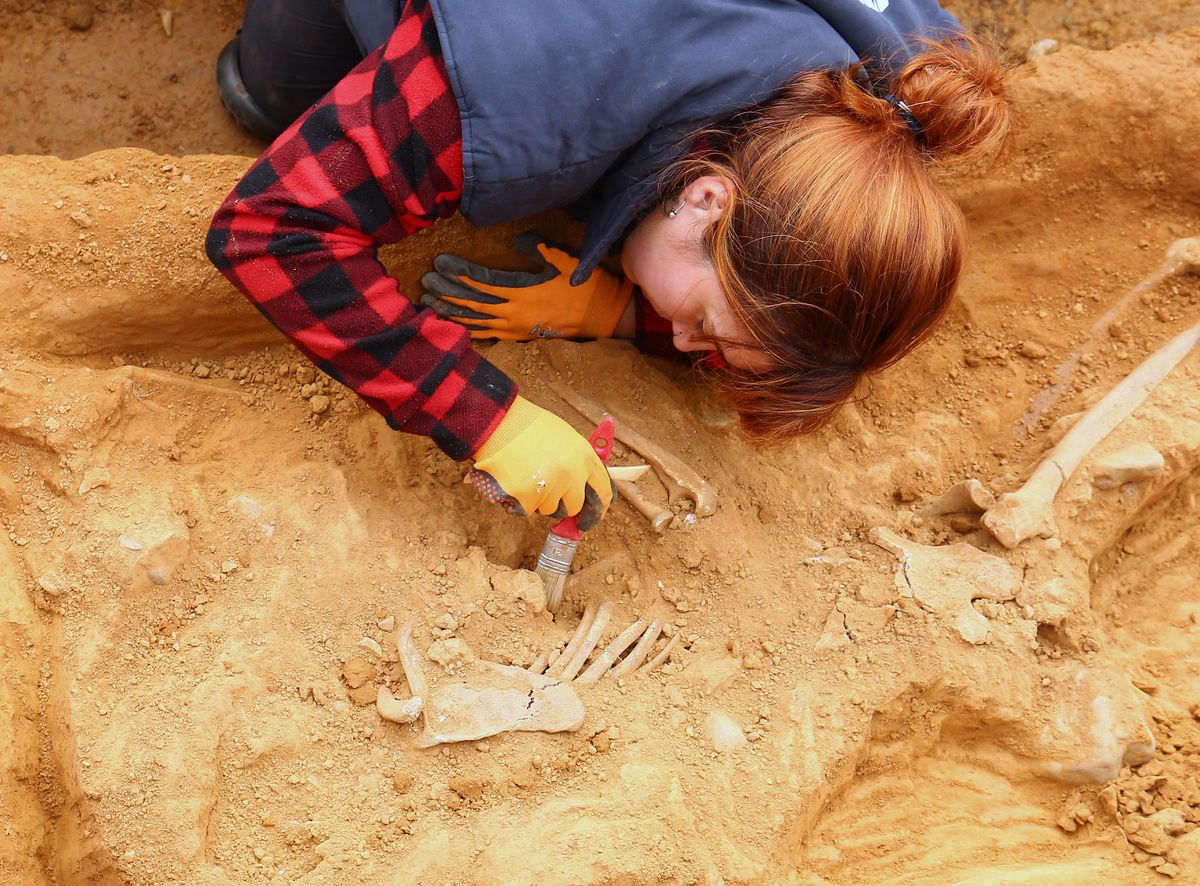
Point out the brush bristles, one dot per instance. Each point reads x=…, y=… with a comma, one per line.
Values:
x=554, y=582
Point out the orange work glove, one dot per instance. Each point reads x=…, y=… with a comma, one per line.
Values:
x=535, y=462
x=519, y=305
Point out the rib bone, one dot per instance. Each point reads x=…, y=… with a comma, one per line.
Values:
x=681, y=481
x=1030, y=510
x=585, y=624
x=657, y=661
x=595, y=632
x=605, y=659
x=640, y=651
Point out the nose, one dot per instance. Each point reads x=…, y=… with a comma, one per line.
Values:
x=683, y=341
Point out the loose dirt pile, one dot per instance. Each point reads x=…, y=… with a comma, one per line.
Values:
x=200, y=534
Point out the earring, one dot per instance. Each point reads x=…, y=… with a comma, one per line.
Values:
x=671, y=213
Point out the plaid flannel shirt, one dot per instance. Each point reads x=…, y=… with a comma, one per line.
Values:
x=375, y=160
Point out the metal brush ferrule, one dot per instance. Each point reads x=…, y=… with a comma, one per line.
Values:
x=557, y=554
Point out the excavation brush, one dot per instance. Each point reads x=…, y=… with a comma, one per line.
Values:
x=554, y=562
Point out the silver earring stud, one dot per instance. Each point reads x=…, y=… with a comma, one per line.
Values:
x=671, y=213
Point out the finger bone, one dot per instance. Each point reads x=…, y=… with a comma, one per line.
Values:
x=595, y=632
x=679, y=478
x=612, y=651
x=640, y=651
x=1029, y=511
x=660, y=518
x=585, y=624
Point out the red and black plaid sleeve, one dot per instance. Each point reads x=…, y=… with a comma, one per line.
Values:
x=378, y=158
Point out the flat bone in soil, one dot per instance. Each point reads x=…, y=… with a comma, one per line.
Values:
x=252, y=634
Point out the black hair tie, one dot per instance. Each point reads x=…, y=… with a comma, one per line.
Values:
x=907, y=116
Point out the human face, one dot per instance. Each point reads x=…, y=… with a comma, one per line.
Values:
x=665, y=257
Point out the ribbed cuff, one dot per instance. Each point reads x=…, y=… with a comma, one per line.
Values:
x=521, y=414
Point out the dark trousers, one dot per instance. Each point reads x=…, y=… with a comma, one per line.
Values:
x=292, y=52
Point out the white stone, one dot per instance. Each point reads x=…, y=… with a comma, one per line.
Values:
x=723, y=733
x=1041, y=49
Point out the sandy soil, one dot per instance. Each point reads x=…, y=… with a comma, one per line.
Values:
x=200, y=534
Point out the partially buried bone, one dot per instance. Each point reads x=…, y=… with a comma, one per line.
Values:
x=1183, y=257
x=946, y=579
x=1030, y=510
x=660, y=518
x=490, y=699
x=681, y=481
x=967, y=497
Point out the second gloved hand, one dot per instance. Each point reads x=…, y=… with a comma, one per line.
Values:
x=537, y=463
x=520, y=305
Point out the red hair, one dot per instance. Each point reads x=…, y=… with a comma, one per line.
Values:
x=838, y=249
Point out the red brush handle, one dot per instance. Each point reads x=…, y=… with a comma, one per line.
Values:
x=602, y=442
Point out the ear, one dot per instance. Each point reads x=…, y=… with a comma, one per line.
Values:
x=709, y=194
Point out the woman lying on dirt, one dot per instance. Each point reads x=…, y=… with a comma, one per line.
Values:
x=767, y=176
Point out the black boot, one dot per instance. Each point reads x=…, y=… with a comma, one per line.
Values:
x=236, y=98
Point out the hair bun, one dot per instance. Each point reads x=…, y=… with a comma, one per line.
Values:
x=957, y=92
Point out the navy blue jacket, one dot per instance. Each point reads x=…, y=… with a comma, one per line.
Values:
x=559, y=98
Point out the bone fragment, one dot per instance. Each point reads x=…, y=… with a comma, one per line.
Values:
x=595, y=632
x=410, y=660
x=660, y=518
x=540, y=663
x=397, y=710
x=944, y=579
x=370, y=643
x=628, y=473
x=1136, y=462
x=681, y=481
x=492, y=698
x=612, y=651
x=640, y=651
x=489, y=699
x=1030, y=510
x=406, y=710
x=967, y=497
x=657, y=662
x=564, y=657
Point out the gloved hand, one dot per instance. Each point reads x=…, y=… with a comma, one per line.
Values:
x=520, y=306
x=536, y=462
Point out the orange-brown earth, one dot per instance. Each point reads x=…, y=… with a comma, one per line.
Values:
x=199, y=532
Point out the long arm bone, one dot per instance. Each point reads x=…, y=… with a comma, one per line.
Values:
x=605, y=659
x=1030, y=510
x=681, y=481
x=406, y=710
